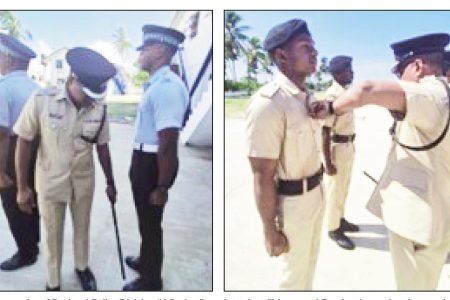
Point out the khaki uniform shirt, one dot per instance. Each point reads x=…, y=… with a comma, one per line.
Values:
x=413, y=196
x=343, y=124
x=65, y=161
x=278, y=127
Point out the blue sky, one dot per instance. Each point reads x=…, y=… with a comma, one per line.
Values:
x=365, y=35
x=52, y=30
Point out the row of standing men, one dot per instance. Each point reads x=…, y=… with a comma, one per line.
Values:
x=289, y=134
x=46, y=154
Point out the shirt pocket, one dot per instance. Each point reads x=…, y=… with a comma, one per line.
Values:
x=301, y=146
x=90, y=129
x=54, y=127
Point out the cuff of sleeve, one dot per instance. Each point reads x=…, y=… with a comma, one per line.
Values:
x=24, y=135
x=262, y=154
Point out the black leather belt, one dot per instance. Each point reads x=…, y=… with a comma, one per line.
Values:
x=295, y=187
x=339, y=138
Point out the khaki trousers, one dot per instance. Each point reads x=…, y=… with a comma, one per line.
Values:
x=417, y=268
x=53, y=216
x=302, y=218
x=337, y=186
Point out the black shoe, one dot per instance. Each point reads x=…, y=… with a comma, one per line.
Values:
x=342, y=240
x=132, y=262
x=87, y=280
x=140, y=285
x=55, y=289
x=347, y=226
x=17, y=261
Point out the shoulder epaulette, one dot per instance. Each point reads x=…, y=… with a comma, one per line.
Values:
x=48, y=91
x=269, y=89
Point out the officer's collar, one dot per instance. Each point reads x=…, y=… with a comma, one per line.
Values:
x=288, y=85
x=61, y=94
x=158, y=74
x=337, y=85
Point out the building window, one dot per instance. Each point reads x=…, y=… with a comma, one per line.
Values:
x=60, y=82
x=59, y=64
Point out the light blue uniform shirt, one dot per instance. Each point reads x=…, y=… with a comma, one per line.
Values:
x=15, y=89
x=164, y=103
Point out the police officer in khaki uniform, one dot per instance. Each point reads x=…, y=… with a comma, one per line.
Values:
x=15, y=89
x=69, y=122
x=284, y=153
x=412, y=194
x=339, y=152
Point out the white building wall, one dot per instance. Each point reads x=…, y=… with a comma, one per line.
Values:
x=198, y=42
x=56, y=68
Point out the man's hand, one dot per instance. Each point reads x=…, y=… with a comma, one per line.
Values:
x=26, y=200
x=5, y=181
x=319, y=109
x=330, y=169
x=276, y=242
x=111, y=192
x=158, y=197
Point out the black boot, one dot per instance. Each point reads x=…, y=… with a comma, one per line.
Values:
x=18, y=261
x=341, y=239
x=132, y=262
x=140, y=285
x=347, y=226
x=87, y=279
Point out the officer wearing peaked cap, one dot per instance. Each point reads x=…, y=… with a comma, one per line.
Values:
x=69, y=121
x=284, y=143
x=339, y=152
x=15, y=89
x=154, y=162
x=412, y=194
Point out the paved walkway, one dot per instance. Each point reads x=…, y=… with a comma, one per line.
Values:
x=187, y=228
x=368, y=267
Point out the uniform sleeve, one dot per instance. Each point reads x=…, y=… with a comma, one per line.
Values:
x=104, y=137
x=264, y=129
x=5, y=110
x=169, y=105
x=425, y=104
x=27, y=126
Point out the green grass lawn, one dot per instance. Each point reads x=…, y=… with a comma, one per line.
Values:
x=122, y=108
x=235, y=108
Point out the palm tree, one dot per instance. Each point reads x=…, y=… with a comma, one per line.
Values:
x=267, y=64
x=13, y=26
x=255, y=56
x=234, y=39
x=121, y=42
